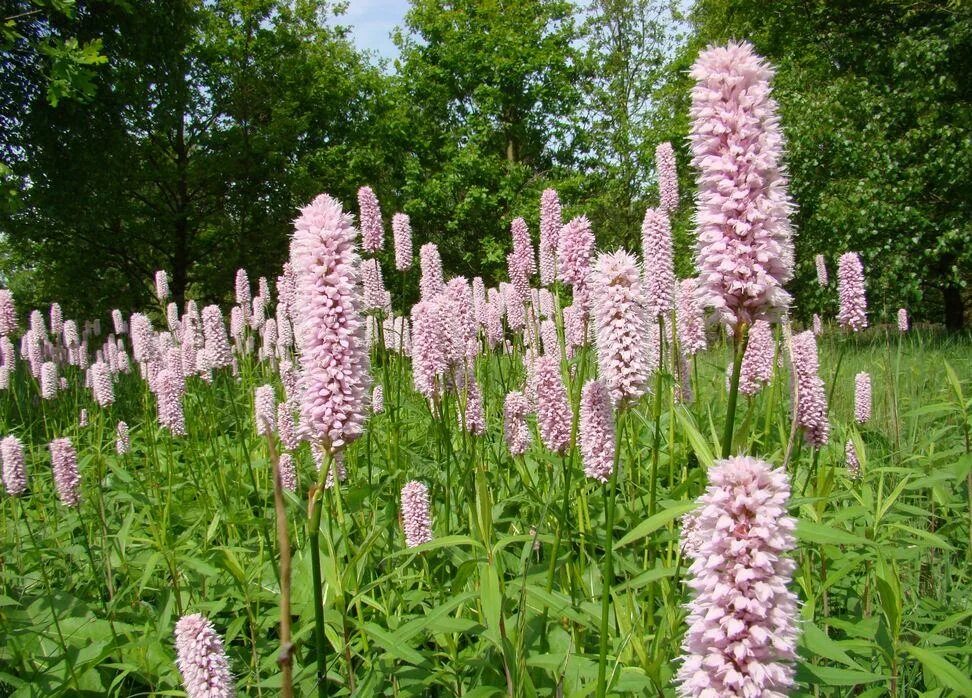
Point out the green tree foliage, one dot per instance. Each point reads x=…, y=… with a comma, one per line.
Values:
x=875, y=105
x=208, y=125
x=490, y=89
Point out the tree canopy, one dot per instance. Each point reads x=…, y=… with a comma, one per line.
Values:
x=183, y=134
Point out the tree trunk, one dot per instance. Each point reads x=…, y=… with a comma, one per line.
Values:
x=954, y=308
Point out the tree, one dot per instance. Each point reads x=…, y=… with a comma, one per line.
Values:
x=874, y=103
x=489, y=89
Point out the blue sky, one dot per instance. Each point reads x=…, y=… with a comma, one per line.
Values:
x=372, y=22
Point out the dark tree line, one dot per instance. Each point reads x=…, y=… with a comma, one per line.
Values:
x=183, y=134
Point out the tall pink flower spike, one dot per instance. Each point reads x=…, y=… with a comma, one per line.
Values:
x=745, y=247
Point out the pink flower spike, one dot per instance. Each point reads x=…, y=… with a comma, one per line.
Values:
x=902, y=320
x=331, y=330
x=690, y=318
x=264, y=407
x=515, y=410
x=596, y=430
x=122, y=443
x=402, y=231
x=862, y=397
x=852, y=460
x=656, y=244
x=550, y=224
x=288, y=473
x=757, y=364
x=416, y=518
x=742, y=619
x=821, y=264
x=8, y=313
x=161, y=285
x=811, y=407
x=850, y=287
x=202, y=659
x=430, y=262
x=745, y=248
x=372, y=230
x=67, y=480
x=667, y=177
x=554, y=416
x=14, y=469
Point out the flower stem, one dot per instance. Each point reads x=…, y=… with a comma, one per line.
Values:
x=740, y=339
x=610, y=491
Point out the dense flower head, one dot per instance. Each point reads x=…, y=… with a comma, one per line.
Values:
x=494, y=324
x=259, y=314
x=242, y=289
x=64, y=464
x=8, y=313
x=237, y=324
x=575, y=247
x=169, y=402
x=515, y=308
x=14, y=468
x=551, y=222
x=851, y=459
x=575, y=328
x=821, y=265
x=4, y=377
x=757, y=364
x=689, y=318
x=374, y=285
x=621, y=326
x=37, y=323
x=285, y=426
x=902, y=320
x=429, y=347
x=656, y=244
x=667, y=177
x=288, y=472
x=329, y=325
x=70, y=332
x=402, y=232
x=264, y=408
x=811, y=407
x=83, y=418
x=430, y=263
x=742, y=622
x=202, y=659
x=101, y=385
x=378, y=399
x=817, y=325
x=850, y=288
x=475, y=419
x=216, y=341
x=48, y=380
x=57, y=320
x=455, y=304
x=372, y=230
x=554, y=416
x=548, y=337
x=862, y=397
x=122, y=443
x=596, y=430
x=745, y=247
x=515, y=410
x=416, y=518
x=161, y=285
x=523, y=246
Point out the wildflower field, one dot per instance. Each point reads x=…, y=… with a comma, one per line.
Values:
x=591, y=479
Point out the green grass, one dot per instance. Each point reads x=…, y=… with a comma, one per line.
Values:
x=89, y=597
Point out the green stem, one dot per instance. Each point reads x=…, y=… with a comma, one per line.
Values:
x=740, y=340
x=608, y=576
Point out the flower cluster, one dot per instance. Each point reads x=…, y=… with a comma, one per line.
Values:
x=596, y=428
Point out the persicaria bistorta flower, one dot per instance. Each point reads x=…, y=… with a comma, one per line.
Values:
x=817, y=325
x=742, y=622
x=757, y=364
x=690, y=318
x=14, y=468
x=242, y=289
x=850, y=289
x=416, y=518
x=475, y=420
x=378, y=400
x=8, y=313
x=522, y=246
x=515, y=410
x=330, y=327
x=852, y=460
x=811, y=407
x=862, y=397
x=745, y=247
x=216, y=341
x=550, y=225
x=656, y=243
x=264, y=406
x=667, y=177
x=429, y=347
x=122, y=443
x=821, y=264
x=48, y=380
x=374, y=286
x=430, y=263
x=575, y=247
x=621, y=326
x=902, y=320
x=596, y=430
x=161, y=285
x=288, y=473
x=372, y=231
x=554, y=415
x=101, y=385
x=402, y=230
x=64, y=464
x=202, y=659
x=57, y=320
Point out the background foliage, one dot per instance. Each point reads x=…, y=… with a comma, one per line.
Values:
x=183, y=135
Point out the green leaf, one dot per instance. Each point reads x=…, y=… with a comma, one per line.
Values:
x=834, y=676
x=816, y=640
x=822, y=534
x=392, y=644
x=653, y=523
x=444, y=542
x=943, y=670
x=699, y=445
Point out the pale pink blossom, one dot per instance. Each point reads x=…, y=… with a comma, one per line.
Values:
x=811, y=407
x=550, y=225
x=850, y=288
x=402, y=230
x=862, y=397
x=202, y=659
x=515, y=411
x=64, y=464
x=416, y=517
x=757, y=364
x=554, y=416
x=14, y=468
x=690, y=318
x=596, y=431
x=372, y=230
x=659, y=270
x=667, y=177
